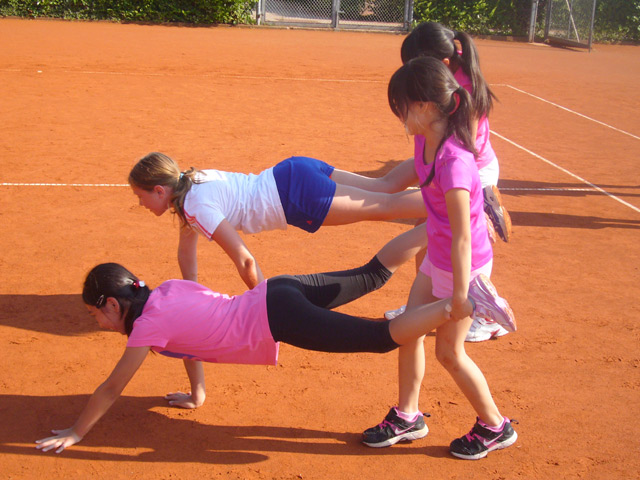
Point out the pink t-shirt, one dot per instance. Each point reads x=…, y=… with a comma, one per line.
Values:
x=486, y=155
x=455, y=168
x=183, y=319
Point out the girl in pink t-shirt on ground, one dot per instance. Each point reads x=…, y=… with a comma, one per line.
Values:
x=182, y=319
x=434, y=108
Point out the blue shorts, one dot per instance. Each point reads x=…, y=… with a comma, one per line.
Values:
x=306, y=191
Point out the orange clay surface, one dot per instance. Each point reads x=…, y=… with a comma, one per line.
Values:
x=81, y=102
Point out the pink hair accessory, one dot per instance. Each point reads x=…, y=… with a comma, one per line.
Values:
x=457, y=98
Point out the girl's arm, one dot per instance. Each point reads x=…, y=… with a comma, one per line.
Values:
x=460, y=220
x=474, y=128
x=196, y=396
x=188, y=254
x=397, y=179
x=227, y=237
x=99, y=403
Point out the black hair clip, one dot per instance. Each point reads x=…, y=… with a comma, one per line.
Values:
x=101, y=301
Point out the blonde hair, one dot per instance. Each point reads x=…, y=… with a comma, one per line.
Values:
x=159, y=169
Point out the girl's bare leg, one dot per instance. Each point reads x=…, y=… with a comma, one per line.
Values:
x=403, y=248
x=351, y=204
x=411, y=355
x=451, y=353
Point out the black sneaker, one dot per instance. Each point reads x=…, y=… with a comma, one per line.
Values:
x=494, y=208
x=394, y=429
x=480, y=441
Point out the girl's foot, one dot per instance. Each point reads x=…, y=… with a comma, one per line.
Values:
x=483, y=439
x=487, y=303
x=391, y=314
x=491, y=229
x=394, y=429
x=497, y=213
x=483, y=329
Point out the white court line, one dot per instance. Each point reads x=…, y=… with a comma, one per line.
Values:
x=549, y=162
x=362, y=81
x=567, y=110
x=513, y=189
x=546, y=189
x=210, y=75
x=19, y=184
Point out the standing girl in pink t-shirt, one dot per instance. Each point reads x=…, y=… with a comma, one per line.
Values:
x=435, y=109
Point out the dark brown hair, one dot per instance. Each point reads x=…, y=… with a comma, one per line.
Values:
x=425, y=79
x=431, y=39
x=113, y=280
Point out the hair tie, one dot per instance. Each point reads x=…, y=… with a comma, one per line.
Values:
x=138, y=284
x=181, y=175
x=456, y=96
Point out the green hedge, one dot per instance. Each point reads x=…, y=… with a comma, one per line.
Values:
x=615, y=20
x=184, y=11
x=501, y=17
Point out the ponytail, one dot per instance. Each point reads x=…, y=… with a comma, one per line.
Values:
x=159, y=169
x=460, y=119
x=470, y=63
x=113, y=280
x=185, y=182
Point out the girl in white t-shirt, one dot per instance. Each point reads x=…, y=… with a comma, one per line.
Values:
x=182, y=319
x=300, y=191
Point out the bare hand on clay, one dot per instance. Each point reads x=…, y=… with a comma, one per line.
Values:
x=182, y=400
x=61, y=440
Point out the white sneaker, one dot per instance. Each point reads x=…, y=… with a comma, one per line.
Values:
x=391, y=314
x=483, y=329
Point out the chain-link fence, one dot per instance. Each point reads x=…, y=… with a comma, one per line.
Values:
x=570, y=22
x=368, y=14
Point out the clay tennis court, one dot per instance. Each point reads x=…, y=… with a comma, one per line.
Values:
x=81, y=102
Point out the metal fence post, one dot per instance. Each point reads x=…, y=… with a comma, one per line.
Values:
x=593, y=16
x=335, y=13
x=408, y=14
x=532, y=21
x=547, y=22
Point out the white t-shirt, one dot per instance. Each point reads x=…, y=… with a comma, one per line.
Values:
x=248, y=202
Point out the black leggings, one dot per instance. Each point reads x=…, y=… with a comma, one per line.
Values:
x=298, y=310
